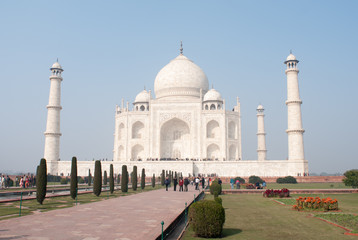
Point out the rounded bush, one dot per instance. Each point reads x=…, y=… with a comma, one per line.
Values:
x=215, y=188
x=219, y=200
x=240, y=179
x=81, y=180
x=207, y=218
x=288, y=179
x=254, y=179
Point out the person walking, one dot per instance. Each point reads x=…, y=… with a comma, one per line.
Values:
x=186, y=183
x=237, y=184
x=166, y=182
x=232, y=183
x=181, y=183
x=197, y=183
x=203, y=183
x=175, y=182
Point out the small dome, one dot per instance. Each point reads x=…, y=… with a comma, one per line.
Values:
x=212, y=95
x=291, y=57
x=180, y=77
x=260, y=107
x=143, y=96
x=56, y=65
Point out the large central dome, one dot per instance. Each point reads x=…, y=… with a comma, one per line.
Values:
x=180, y=78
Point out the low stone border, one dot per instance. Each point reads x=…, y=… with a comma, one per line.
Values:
x=348, y=231
x=292, y=191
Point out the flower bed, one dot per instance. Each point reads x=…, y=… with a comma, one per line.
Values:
x=310, y=203
x=284, y=192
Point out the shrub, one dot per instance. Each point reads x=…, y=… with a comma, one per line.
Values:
x=111, y=179
x=97, y=180
x=63, y=181
x=74, y=183
x=119, y=179
x=240, y=179
x=288, y=179
x=254, y=179
x=207, y=218
x=105, y=180
x=53, y=178
x=124, y=182
x=250, y=186
x=80, y=180
x=219, y=200
x=134, y=178
x=142, y=180
x=153, y=180
x=215, y=188
x=41, y=177
x=351, y=178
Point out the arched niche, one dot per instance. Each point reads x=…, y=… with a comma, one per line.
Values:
x=138, y=130
x=213, y=151
x=121, y=131
x=175, y=139
x=212, y=129
x=232, y=152
x=120, y=153
x=137, y=152
x=232, y=131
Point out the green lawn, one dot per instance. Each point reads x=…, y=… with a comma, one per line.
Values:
x=11, y=209
x=301, y=186
x=250, y=216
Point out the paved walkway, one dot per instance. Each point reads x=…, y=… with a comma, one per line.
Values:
x=125, y=218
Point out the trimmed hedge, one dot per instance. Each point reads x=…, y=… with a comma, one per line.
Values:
x=64, y=180
x=162, y=178
x=207, y=218
x=254, y=179
x=97, y=180
x=215, y=188
x=134, y=178
x=142, y=179
x=105, y=180
x=288, y=179
x=240, y=179
x=89, y=177
x=218, y=200
x=153, y=181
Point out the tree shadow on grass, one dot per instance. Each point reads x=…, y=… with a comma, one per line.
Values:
x=227, y=232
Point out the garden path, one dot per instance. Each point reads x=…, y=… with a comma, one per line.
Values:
x=130, y=217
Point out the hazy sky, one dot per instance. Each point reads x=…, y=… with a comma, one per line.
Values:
x=110, y=50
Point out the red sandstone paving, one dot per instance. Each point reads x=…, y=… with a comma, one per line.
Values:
x=130, y=217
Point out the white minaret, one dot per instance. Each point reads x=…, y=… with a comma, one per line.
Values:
x=261, y=138
x=294, y=130
x=53, y=134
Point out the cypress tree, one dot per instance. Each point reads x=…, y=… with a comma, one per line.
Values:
x=105, y=178
x=162, y=178
x=142, y=180
x=119, y=179
x=153, y=181
x=134, y=178
x=41, y=181
x=111, y=179
x=89, y=177
x=124, y=184
x=97, y=181
x=176, y=175
x=74, y=182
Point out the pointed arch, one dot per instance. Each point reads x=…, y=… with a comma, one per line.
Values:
x=232, y=152
x=137, y=152
x=212, y=129
x=213, y=151
x=121, y=153
x=138, y=130
x=121, y=131
x=232, y=130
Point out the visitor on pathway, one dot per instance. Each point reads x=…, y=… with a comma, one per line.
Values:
x=175, y=182
x=264, y=185
x=0, y=182
x=203, y=183
x=181, y=183
x=166, y=182
x=210, y=181
x=237, y=184
x=219, y=181
x=257, y=185
x=197, y=183
x=232, y=183
x=186, y=183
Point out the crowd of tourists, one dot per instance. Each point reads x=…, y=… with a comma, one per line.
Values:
x=24, y=181
x=184, y=182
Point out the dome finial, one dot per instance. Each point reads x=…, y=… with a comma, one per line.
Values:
x=57, y=60
x=181, y=47
x=290, y=51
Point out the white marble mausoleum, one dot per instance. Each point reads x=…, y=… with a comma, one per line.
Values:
x=184, y=126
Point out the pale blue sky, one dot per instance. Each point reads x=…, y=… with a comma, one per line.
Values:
x=110, y=50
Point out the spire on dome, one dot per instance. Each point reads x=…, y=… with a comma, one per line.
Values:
x=181, y=47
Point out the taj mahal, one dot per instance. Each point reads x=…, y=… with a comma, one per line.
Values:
x=184, y=126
